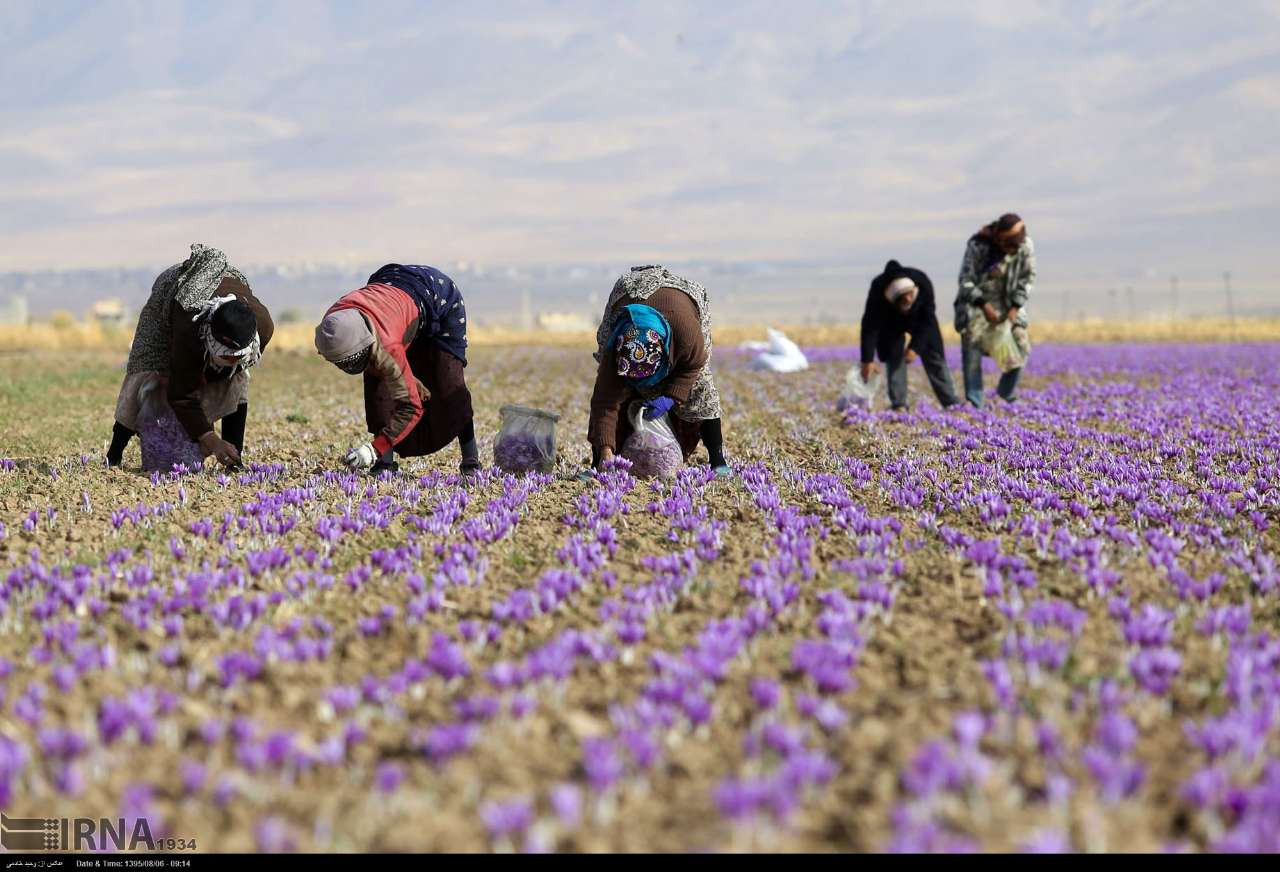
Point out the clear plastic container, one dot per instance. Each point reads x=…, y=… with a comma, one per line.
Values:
x=526, y=440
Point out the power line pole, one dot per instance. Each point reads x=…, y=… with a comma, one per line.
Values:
x=1231, y=305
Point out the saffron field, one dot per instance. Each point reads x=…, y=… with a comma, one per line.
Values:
x=1051, y=626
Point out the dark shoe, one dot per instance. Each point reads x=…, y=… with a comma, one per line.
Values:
x=379, y=468
x=898, y=408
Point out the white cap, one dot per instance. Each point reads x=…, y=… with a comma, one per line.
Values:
x=899, y=288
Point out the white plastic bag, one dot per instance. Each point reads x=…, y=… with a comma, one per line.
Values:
x=780, y=355
x=526, y=440
x=653, y=449
x=999, y=343
x=165, y=442
x=858, y=392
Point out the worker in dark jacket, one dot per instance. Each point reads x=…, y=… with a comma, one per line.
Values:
x=200, y=332
x=406, y=332
x=901, y=303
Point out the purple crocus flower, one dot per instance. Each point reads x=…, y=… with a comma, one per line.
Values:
x=739, y=799
x=566, y=801
x=506, y=819
x=274, y=837
x=765, y=693
x=389, y=777
x=193, y=776
x=447, y=741
x=602, y=763
x=1048, y=842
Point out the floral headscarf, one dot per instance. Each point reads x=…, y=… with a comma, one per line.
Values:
x=642, y=345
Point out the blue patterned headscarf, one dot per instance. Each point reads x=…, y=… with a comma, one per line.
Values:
x=642, y=345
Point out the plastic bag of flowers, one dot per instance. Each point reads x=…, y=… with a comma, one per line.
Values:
x=165, y=442
x=653, y=449
x=1003, y=348
x=526, y=440
x=858, y=392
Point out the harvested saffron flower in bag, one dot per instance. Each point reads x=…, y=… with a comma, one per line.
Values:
x=165, y=442
x=526, y=440
x=653, y=449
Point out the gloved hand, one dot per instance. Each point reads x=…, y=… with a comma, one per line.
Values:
x=658, y=407
x=360, y=459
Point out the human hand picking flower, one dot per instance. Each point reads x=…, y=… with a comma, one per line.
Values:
x=360, y=459
x=225, y=452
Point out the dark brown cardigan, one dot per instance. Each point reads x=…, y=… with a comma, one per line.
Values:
x=688, y=357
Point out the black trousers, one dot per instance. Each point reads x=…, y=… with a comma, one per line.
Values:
x=233, y=426
x=894, y=355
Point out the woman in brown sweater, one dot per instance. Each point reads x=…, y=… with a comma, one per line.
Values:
x=654, y=344
x=200, y=332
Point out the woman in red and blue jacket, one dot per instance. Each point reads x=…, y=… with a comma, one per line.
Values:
x=406, y=332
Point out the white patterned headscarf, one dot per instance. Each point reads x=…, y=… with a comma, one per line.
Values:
x=182, y=288
x=245, y=358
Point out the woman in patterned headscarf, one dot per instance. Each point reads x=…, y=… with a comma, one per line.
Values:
x=199, y=333
x=654, y=344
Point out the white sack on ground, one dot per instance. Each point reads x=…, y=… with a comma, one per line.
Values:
x=779, y=355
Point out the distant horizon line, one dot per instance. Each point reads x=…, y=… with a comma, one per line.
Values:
x=495, y=269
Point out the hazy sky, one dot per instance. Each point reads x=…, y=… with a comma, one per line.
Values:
x=1137, y=138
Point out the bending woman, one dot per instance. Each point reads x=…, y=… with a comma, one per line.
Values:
x=406, y=332
x=654, y=344
x=200, y=332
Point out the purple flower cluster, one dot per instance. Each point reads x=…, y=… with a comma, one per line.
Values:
x=522, y=452
x=654, y=451
x=1109, y=544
